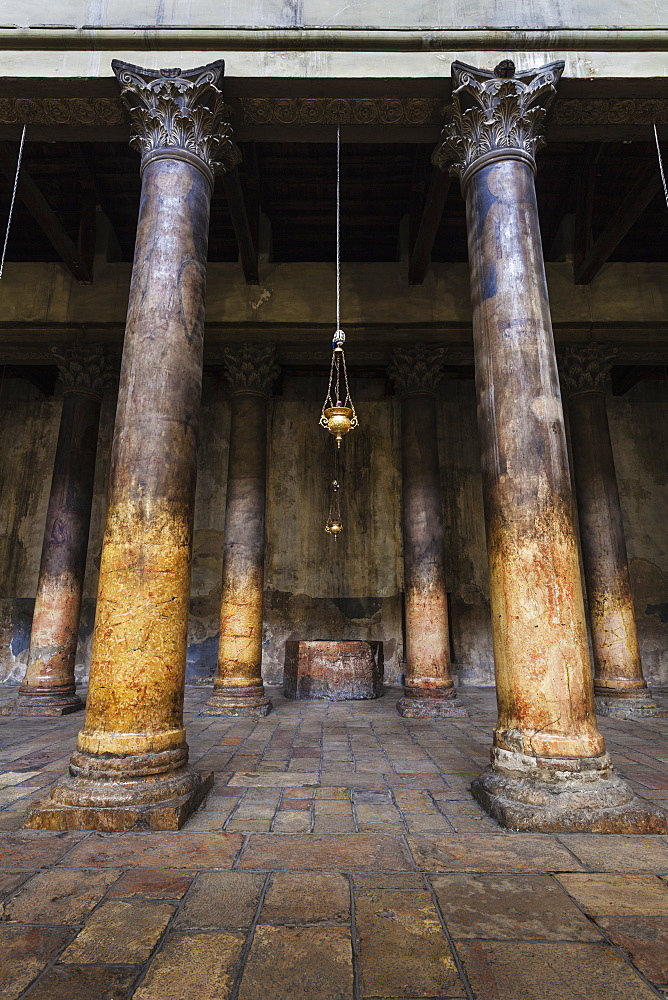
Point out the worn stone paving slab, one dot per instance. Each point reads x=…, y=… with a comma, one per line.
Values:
x=307, y=898
x=510, y=907
x=170, y=884
x=197, y=966
x=84, y=982
x=9, y=881
x=24, y=952
x=644, y=940
x=491, y=853
x=59, y=896
x=323, y=852
x=157, y=850
x=618, y=895
x=299, y=963
x=403, y=949
x=35, y=850
x=517, y=970
x=617, y=853
x=221, y=901
x=120, y=932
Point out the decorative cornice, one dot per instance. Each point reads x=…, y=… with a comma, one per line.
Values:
x=251, y=367
x=84, y=368
x=585, y=368
x=416, y=369
x=177, y=110
x=495, y=110
x=408, y=112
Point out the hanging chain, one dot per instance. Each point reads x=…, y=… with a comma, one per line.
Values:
x=663, y=176
x=11, y=204
x=338, y=228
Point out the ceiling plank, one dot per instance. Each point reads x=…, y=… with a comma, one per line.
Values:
x=46, y=218
x=639, y=197
x=248, y=249
x=437, y=194
x=584, y=204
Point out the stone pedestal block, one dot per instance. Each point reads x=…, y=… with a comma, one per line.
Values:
x=340, y=671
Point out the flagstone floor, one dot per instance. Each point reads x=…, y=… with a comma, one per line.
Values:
x=340, y=856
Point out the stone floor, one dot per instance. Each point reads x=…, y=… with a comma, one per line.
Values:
x=339, y=855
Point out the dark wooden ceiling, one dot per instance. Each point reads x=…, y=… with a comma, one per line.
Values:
x=294, y=184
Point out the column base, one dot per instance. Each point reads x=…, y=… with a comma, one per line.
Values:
x=154, y=791
x=634, y=704
x=238, y=703
x=432, y=708
x=566, y=796
x=47, y=704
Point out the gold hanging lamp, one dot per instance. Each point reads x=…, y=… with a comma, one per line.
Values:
x=338, y=411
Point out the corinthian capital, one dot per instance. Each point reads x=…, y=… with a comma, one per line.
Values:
x=585, y=368
x=495, y=110
x=84, y=368
x=179, y=111
x=416, y=369
x=251, y=367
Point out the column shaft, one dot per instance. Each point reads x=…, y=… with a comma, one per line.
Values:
x=428, y=685
x=619, y=684
x=48, y=687
x=238, y=688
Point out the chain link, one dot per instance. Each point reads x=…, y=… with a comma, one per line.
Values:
x=11, y=204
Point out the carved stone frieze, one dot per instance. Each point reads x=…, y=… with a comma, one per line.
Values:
x=495, y=110
x=179, y=110
x=342, y=111
x=586, y=367
x=251, y=367
x=610, y=111
x=416, y=369
x=84, y=367
x=61, y=111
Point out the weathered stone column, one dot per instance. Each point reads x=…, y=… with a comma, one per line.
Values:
x=619, y=685
x=48, y=687
x=238, y=688
x=428, y=686
x=549, y=767
x=131, y=763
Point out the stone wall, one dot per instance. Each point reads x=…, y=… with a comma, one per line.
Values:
x=318, y=588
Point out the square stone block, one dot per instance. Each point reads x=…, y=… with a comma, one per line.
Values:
x=337, y=671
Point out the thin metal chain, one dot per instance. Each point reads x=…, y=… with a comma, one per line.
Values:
x=338, y=228
x=11, y=204
x=663, y=176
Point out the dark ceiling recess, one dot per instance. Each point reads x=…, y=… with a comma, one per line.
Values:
x=293, y=185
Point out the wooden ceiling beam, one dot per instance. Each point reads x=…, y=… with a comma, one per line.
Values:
x=46, y=218
x=245, y=228
x=437, y=195
x=639, y=197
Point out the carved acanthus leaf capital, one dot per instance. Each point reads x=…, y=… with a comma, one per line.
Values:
x=416, y=369
x=179, y=110
x=251, y=367
x=85, y=368
x=585, y=367
x=495, y=110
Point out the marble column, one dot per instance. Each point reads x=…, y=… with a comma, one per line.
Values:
x=48, y=687
x=238, y=688
x=550, y=770
x=619, y=685
x=428, y=687
x=130, y=768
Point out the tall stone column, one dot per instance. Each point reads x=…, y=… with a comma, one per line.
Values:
x=130, y=767
x=48, y=687
x=619, y=685
x=550, y=770
x=428, y=686
x=238, y=688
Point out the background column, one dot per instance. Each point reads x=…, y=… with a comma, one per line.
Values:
x=549, y=768
x=130, y=766
x=428, y=686
x=48, y=687
x=619, y=685
x=238, y=688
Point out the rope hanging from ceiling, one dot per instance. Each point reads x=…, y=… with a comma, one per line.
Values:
x=13, y=199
